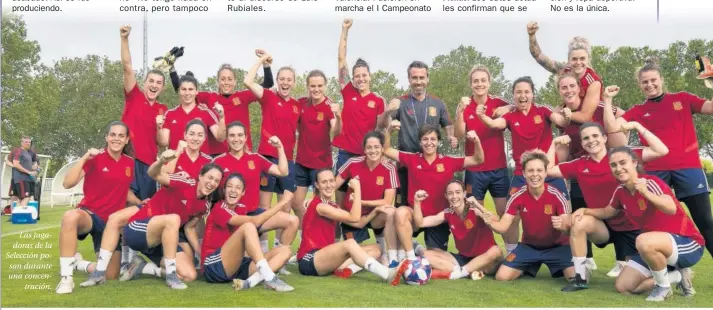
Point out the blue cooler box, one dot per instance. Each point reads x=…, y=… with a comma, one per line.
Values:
x=22, y=215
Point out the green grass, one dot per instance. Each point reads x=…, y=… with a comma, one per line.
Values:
x=363, y=290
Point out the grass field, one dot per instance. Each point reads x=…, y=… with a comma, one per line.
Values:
x=363, y=290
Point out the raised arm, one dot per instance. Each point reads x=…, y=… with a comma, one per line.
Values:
x=249, y=80
x=76, y=174
x=175, y=79
x=552, y=169
x=282, y=168
x=498, y=225
x=561, y=120
x=129, y=75
x=344, y=77
x=459, y=127
x=351, y=217
x=498, y=123
x=478, y=156
x=336, y=122
x=544, y=61
x=267, y=79
x=389, y=151
x=612, y=123
x=392, y=109
x=418, y=218
x=656, y=148
x=155, y=171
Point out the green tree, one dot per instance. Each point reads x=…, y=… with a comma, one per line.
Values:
x=385, y=84
x=20, y=58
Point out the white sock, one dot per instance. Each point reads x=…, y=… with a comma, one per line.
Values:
x=510, y=247
x=674, y=277
x=381, y=243
x=263, y=246
x=151, y=269
x=132, y=255
x=104, y=258
x=265, y=270
x=378, y=269
x=401, y=255
x=125, y=254
x=66, y=266
x=255, y=279
x=579, y=266
x=410, y=254
x=392, y=255
x=661, y=277
x=170, y=265
x=456, y=273
x=82, y=265
x=355, y=268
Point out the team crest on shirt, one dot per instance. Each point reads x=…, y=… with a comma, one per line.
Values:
x=128, y=171
x=432, y=111
x=642, y=204
x=511, y=257
x=440, y=168
x=251, y=165
x=513, y=190
x=677, y=106
x=468, y=224
x=320, y=116
x=263, y=181
x=379, y=180
x=548, y=209
x=236, y=101
x=538, y=119
x=371, y=104
x=295, y=110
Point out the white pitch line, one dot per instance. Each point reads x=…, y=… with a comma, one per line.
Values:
x=29, y=230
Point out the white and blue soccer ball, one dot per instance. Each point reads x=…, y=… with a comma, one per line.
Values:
x=418, y=271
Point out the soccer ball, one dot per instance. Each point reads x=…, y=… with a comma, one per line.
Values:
x=418, y=271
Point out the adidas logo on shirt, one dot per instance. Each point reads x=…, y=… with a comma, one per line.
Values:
x=586, y=170
x=179, y=167
x=471, y=117
x=517, y=123
x=173, y=122
x=524, y=209
x=647, y=115
x=184, y=201
x=354, y=99
x=418, y=167
x=105, y=169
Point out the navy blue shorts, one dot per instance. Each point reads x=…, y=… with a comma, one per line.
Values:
x=257, y=211
x=518, y=182
x=574, y=190
x=436, y=237
x=306, y=265
x=278, y=185
x=496, y=182
x=342, y=157
x=684, y=182
x=135, y=235
x=143, y=185
x=529, y=259
x=359, y=234
x=462, y=260
x=97, y=231
x=304, y=176
x=213, y=270
x=689, y=253
x=624, y=241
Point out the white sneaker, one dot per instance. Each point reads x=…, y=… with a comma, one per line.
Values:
x=591, y=265
x=614, y=272
x=65, y=286
x=283, y=271
x=292, y=260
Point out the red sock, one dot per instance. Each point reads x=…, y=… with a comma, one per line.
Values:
x=440, y=274
x=343, y=273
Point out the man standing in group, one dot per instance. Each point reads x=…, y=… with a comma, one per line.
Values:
x=414, y=110
x=24, y=171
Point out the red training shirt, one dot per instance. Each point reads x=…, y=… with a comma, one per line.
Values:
x=236, y=108
x=317, y=231
x=314, y=148
x=492, y=140
x=472, y=237
x=250, y=166
x=106, y=183
x=279, y=118
x=529, y=132
x=536, y=215
x=431, y=178
x=140, y=115
x=177, y=118
x=358, y=118
x=374, y=183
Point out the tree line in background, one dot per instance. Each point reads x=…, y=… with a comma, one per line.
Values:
x=65, y=107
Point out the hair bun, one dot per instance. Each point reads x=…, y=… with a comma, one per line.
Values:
x=651, y=60
x=189, y=73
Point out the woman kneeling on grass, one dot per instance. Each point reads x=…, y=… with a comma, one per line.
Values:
x=478, y=254
x=230, y=229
